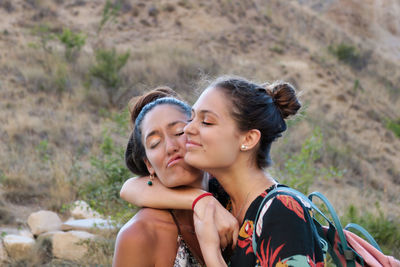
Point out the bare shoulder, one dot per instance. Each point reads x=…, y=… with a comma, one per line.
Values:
x=143, y=228
x=137, y=240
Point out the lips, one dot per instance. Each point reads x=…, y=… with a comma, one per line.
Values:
x=173, y=161
x=190, y=144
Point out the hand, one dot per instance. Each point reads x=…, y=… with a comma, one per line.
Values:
x=226, y=224
x=207, y=234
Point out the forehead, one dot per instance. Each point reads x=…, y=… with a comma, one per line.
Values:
x=213, y=99
x=162, y=115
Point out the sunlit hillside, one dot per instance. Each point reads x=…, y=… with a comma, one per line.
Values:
x=69, y=67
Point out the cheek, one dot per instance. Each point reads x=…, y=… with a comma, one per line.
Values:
x=155, y=158
x=220, y=150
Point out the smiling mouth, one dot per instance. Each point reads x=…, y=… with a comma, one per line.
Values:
x=192, y=144
x=173, y=161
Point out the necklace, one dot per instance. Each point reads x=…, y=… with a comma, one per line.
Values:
x=245, y=201
x=241, y=208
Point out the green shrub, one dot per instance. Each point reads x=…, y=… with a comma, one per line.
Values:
x=107, y=69
x=44, y=32
x=110, y=12
x=72, y=42
x=108, y=173
x=300, y=170
x=394, y=126
x=385, y=230
x=350, y=55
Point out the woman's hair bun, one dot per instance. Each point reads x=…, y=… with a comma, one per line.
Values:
x=285, y=98
x=136, y=104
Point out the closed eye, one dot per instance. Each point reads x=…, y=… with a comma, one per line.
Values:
x=179, y=134
x=206, y=123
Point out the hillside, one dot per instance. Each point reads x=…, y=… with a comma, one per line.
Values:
x=343, y=55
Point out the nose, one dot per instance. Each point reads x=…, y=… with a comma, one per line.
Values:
x=190, y=128
x=171, y=146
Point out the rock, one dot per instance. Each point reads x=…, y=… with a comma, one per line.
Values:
x=25, y=232
x=90, y=225
x=44, y=221
x=68, y=245
x=3, y=253
x=18, y=247
x=48, y=235
x=81, y=210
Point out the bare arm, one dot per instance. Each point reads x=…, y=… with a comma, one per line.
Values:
x=139, y=193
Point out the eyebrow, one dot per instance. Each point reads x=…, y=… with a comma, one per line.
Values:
x=169, y=125
x=205, y=111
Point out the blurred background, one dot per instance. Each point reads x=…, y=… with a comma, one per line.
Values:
x=69, y=67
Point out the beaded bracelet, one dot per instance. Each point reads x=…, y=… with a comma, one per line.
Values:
x=200, y=197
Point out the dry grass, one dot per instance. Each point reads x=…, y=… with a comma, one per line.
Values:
x=52, y=124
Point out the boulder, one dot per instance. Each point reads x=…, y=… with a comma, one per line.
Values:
x=18, y=247
x=81, y=210
x=44, y=221
x=3, y=253
x=90, y=225
x=70, y=245
x=25, y=232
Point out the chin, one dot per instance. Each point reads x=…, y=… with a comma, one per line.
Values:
x=193, y=160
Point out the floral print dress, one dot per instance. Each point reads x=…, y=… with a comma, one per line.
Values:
x=284, y=234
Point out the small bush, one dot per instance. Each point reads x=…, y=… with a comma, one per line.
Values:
x=107, y=69
x=110, y=12
x=394, y=126
x=108, y=172
x=300, y=170
x=72, y=42
x=385, y=230
x=350, y=55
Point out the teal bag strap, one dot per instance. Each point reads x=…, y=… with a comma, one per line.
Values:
x=362, y=230
x=349, y=254
x=287, y=190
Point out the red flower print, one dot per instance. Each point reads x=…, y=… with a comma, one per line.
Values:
x=292, y=205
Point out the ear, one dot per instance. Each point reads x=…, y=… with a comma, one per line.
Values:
x=149, y=166
x=250, y=140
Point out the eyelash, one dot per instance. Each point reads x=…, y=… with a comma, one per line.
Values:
x=203, y=122
x=179, y=134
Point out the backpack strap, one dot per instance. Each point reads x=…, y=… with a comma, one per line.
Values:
x=289, y=191
x=362, y=230
x=349, y=253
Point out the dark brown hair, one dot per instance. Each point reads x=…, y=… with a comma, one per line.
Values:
x=260, y=107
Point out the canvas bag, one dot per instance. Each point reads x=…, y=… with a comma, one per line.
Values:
x=345, y=247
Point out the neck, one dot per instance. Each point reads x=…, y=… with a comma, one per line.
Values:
x=199, y=182
x=243, y=184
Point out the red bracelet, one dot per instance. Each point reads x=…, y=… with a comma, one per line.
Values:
x=200, y=197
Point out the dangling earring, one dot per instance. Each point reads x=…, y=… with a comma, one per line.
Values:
x=243, y=147
x=150, y=182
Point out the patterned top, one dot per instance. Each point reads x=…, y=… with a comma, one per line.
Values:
x=184, y=258
x=284, y=234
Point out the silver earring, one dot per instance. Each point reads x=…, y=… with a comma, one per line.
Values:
x=243, y=147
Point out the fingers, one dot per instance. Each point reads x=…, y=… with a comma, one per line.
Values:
x=223, y=241
x=235, y=234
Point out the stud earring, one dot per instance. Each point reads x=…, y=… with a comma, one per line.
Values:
x=243, y=147
x=150, y=181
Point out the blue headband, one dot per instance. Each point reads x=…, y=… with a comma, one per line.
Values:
x=165, y=100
